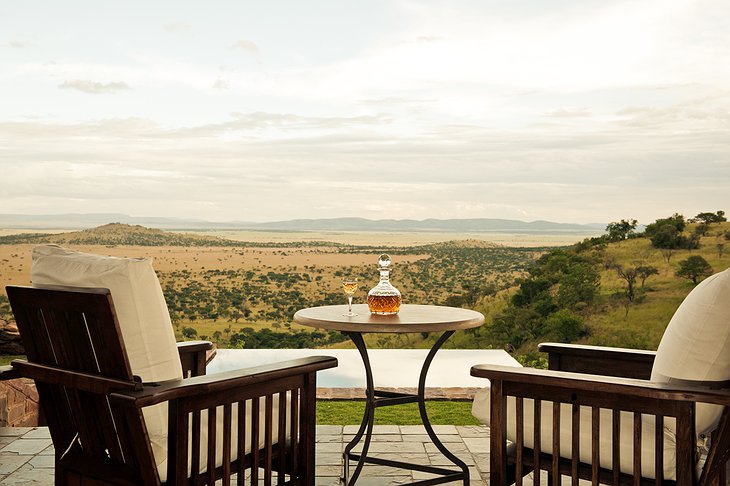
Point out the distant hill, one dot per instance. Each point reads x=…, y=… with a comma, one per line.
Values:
x=474, y=225
x=119, y=234
x=479, y=225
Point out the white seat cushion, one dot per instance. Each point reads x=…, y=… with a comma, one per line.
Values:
x=162, y=466
x=481, y=407
x=696, y=343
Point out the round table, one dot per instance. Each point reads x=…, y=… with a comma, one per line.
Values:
x=411, y=318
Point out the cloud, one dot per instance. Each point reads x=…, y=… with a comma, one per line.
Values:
x=18, y=44
x=569, y=113
x=247, y=46
x=179, y=27
x=221, y=84
x=93, y=87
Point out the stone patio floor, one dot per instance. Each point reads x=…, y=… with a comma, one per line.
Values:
x=26, y=454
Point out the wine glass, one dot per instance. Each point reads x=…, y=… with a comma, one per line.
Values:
x=349, y=286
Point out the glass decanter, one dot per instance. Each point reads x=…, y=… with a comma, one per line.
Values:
x=384, y=299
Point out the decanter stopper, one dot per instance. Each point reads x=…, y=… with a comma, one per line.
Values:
x=384, y=299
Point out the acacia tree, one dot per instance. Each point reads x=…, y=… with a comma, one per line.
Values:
x=709, y=218
x=644, y=272
x=628, y=275
x=618, y=231
x=694, y=268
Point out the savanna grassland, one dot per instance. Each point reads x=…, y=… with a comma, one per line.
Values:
x=242, y=290
x=244, y=293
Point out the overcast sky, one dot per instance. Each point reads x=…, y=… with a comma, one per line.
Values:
x=566, y=110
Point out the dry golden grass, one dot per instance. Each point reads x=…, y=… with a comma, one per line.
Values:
x=15, y=260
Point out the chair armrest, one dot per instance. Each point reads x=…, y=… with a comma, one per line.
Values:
x=599, y=360
x=194, y=355
x=9, y=373
x=601, y=385
x=220, y=382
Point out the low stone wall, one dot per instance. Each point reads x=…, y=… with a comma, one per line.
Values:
x=18, y=403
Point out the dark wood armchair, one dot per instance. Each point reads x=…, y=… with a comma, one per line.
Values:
x=218, y=426
x=582, y=384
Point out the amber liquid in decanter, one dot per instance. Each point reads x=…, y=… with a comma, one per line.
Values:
x=384, y=304
x=384, y=299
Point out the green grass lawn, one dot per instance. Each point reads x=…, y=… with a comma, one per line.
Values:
x=349, y=412
x=6, y=359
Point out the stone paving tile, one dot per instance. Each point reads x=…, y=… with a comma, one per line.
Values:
x=482, y=461
x=48, y=451
x=473, y=430
x=441, y=460
x=43, y=462
x=27, y=474
x=379, y=438
x=38, y=433
x=26, y=446
x=477, y=445
x=329, y=429
x=328, y=438
x=11, y=462
x=377, y=429
x=383, y=480
x=328, y=459
x=425, y=438
x=5, y=440
x=456, y=448
x=27, y=458
x=326, y=471
x=326, y=481
x=395, y=447
x=14, y=431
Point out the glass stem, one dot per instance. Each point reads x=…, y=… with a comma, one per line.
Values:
x=349, y=304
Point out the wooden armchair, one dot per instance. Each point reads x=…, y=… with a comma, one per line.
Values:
x=126, y=406
x=94, y=404
x=619, y=416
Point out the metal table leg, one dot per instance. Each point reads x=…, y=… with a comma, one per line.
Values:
x=380, y=398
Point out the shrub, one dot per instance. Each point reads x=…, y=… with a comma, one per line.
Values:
x=694, y=268
x=565, y=327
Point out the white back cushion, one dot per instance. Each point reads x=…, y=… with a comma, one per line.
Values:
x=696, y=343
x=141, y=310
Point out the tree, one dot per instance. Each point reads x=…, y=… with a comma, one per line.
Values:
x=701, y=229
x=629, y=275
x=580, y=284
x=645, y=271
x=189, y=332
x=676, y=220
x=666, y=236
x=565, y=327
x=709, y=218
x=618, y=231
x=694, y=268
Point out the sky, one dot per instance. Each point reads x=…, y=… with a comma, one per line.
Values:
x=576, y=111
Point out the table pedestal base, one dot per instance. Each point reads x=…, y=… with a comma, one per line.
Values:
x=380, y=398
